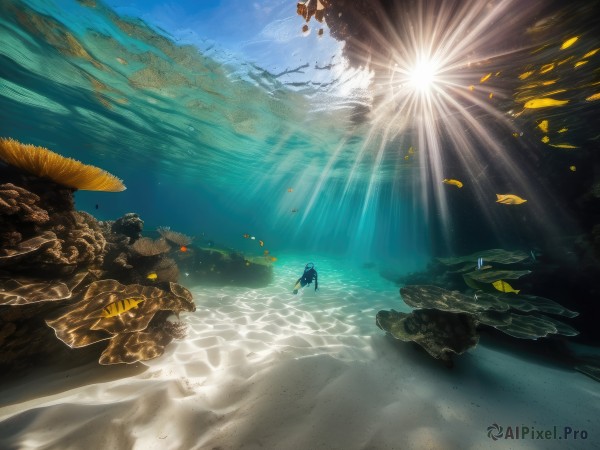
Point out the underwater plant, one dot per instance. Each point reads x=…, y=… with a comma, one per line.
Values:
x=67, y=172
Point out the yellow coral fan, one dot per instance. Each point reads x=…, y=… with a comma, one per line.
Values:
x=65, y=171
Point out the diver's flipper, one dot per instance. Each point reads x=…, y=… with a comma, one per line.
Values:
x=296, y=287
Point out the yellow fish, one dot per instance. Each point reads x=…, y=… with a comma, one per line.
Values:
x=543, y=125
x=580, y=63
x=471, y=88
x=569, y=42
x=545, y=139
x=525, y=75
x=119, y=307
x=503, y=286
x=573, y=168
x=485, y=77
x=546, y=68
x=509, y=199
x=562, y=130
x=544, y=103
x=591, y=98
x=591, y=53
x=152, y=276
x=452, y=182
x=563, y=146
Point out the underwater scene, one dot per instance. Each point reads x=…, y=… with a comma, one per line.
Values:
x=325, y=224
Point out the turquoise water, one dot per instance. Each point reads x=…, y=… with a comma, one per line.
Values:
x=226, y=121
x=203, y=146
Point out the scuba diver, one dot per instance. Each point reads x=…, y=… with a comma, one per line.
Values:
x=307, y=277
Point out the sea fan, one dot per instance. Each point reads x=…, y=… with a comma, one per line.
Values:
x=174, y=237
x=68, y=172
x=148, y=247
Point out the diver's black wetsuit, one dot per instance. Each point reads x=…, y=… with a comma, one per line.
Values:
x=308, y=276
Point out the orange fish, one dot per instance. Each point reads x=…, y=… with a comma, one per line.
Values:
x=290, y=190
x=246, y=235
x=183, y=248
x=261, y=243
x=273, y=259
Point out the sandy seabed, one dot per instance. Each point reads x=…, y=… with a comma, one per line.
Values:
x=264, y=369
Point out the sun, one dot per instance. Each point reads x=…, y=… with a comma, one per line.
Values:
x=423, y=75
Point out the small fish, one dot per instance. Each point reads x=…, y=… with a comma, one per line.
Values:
x=471, y=88
x=406, y=157
x=246, y=235
x=545, y=139
x=509, y=199
x=479, y=263
x=562, y=130
x=183, y=249
x=485, y=77
x=261, y=243
x=532, y=255
x=187, y=274
x=247, y=263
x=119, y=307
x=411, y=151
x=591, y=98
x=252, y=237
x=491, y=95
x=294, y=210
x=273, y=259
x=503, y=286
x=452, y=182
x=152, y=276
x=546, y=68
x=591, y=53
x=266, y=252
x=579, y=63
x=572, y=168
x=569, y=42
x=290, y=190
x=543, y=125
x=544, y=103
x=525, y=75
x=563, y=145
x=97, y=206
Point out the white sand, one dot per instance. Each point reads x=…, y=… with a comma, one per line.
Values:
x=266, y=369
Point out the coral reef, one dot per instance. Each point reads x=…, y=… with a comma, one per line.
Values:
x=83, y=323
x=441, y=333
x=223, y=267
x=174, y=237
x=129, y=225
x=149, y=247
x=523, y=316
x=54, y=262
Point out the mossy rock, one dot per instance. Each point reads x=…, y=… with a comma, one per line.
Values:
x=228, y=268
x=489, y=276
x=528, y=303
x=442, y=334
x=496, y=255
x=424, y=296
x=529, y=326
